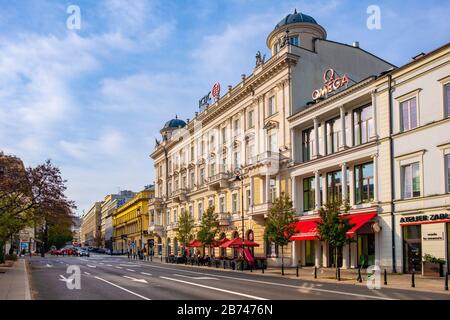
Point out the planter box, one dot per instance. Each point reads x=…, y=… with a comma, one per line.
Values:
x=432, y=269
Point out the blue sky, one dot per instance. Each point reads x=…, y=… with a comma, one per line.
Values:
x=93, y=100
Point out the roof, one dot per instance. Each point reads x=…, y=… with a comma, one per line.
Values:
x=296, y=17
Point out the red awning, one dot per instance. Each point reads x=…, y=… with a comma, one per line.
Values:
x=195, y=244
x=217, y=243
x=359, y=220
x=237, y=242
x=306, y=229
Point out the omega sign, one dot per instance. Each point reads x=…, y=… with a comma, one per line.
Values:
x=331, y=84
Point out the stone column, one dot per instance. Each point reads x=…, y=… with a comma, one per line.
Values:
x=267, y=189
x=353, y=255
x=316, y=138
x=294, y=194
x=293, y=148
x=343, y=134
x=374, y=115
x=317, y=251
x=375, y=178
x=324, y=186
x=317, y=189
x=344, y=181
x=345, y=256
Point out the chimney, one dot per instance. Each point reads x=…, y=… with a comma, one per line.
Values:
x=356, y=44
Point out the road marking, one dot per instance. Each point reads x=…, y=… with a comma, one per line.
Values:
x=122, y=288
x=87, y=273
x=91, y=266
x=108, y=265
x=195, y=278
x=49, y=265
x=136, y=280
x=216, y=289
x=119, y=268
x=147, y=274
x=130, y=270
x=283, y=285
x=65, y=279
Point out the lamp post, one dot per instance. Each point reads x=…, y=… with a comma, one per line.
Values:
x=142, y=230
x=240, y=177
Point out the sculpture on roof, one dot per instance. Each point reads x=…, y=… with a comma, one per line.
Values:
x=260, y=59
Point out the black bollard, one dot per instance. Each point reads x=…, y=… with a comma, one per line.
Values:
x=161, y=258
x=339, y=274
x=297, y=270
x=413, y=281
x=446, y=281
x=251, y=268
x=282, y=269
x=151, y=258
x=262, y=267
x=385, y=277
x=315, y=272
x=359, y=275
x=224, y=265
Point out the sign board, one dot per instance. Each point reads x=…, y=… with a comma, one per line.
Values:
x=24, y=246
x=332, y=82
x=205, y=101
x=426, y=218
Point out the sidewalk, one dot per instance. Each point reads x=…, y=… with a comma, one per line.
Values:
x=348, y=276
x=14, y=284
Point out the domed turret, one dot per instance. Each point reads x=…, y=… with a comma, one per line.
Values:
x=170, y=126
x=299, y=29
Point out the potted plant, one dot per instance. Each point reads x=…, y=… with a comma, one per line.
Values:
x=432, y=266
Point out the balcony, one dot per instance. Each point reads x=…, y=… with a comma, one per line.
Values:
x=157, y=203
x=218, y=181
x=261, y=210
x=156, y=228
x=266, y=163
x=224, y=219
x=179, y=195
x=172, y=226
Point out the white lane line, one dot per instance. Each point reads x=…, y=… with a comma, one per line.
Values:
x=282, y=284
x=136, y=280
x=87, y=273
x=91, y=266
x=119, y=268
x=122, y=288
x=147, y=274
x=130, y=270
x=195, y=278
x=216, y=289
x=108, y=265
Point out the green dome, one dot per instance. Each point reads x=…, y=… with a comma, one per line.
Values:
x=295, y=18
x=174, y=124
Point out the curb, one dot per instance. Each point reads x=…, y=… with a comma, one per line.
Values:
x=28, y=295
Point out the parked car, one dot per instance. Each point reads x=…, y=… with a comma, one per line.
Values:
x=83, y=252
x=101, y=250
x=55, y=252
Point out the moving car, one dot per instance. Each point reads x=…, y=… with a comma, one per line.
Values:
x=83, y=252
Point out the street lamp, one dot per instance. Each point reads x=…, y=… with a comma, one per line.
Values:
x=240, y=177
x=142, y=230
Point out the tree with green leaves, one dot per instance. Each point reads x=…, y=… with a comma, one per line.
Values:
x=185, y=226
x=280, y=223
x=209, y=227
x=333, y=226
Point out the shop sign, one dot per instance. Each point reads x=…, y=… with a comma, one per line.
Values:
x=426, y=218
x=433, y=236
x=332, y=82
x=205, y=101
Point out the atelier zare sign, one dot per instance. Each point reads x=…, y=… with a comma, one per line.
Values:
x=425, y=218
x=332, y=82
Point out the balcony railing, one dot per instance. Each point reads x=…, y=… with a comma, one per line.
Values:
x=218, y=181
x=224, y=219
x=172, y=226
x=179, y=195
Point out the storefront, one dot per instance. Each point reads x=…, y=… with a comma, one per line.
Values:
x=424, y=234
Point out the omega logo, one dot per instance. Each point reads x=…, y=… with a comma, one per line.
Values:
x=331, y=83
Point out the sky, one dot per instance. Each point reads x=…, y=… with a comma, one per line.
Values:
x=93, y=99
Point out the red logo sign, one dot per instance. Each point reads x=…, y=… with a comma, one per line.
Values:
x=331, y=83
x=216, y=90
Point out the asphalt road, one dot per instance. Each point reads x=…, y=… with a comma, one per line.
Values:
x=117, y=278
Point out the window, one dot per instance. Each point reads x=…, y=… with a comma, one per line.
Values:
x=152, y=216
x=234, y=202
x=408, y=114
x=334, y=186
x=192, y=152
x=224, y=135
x=202, y=176
x=212, y=169
x=250, y=152
x=309, y=194
x=364, y=183
x=192, y=179
x=236, y=127
x=363, y=125
x=191, y=212
x=248, y=196
x=237, y=159
x=307, y=144
x=175, y=217
x=293, y=40
x=170, y=165
x=250, y=119
x=200, y=210
x=224, y=164
x=447, y=99
x=211, y=143
x=2, y=170
x=273, y=190
x=271, y=107
x=333, y=131
x=202, y=147
x=167, y=217
x=169, y=186
x=411, y=181
x=184, y=182
x=210, y=202
x=272, y=141
x=222, y=204
x=447, y=161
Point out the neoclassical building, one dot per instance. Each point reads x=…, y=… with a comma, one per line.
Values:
x=239, y=152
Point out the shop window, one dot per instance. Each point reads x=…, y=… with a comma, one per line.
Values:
x=309, y=194
x=411, y=180
x=366, y=250
x=271, y=250
x=307, y=144
x=364, y=187
x=310, y=253
x=408, y=114
x=412, y=248
x=363, y=125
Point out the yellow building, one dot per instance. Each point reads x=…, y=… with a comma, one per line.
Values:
x=130, y=223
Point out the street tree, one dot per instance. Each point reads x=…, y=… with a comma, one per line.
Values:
x=185, y=226
x=333, y=226
x=209, y=227
x=280, y=223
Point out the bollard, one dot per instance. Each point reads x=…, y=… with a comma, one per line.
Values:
x=339, y=274
x=251, y=268
x=413, y=281
x=242, y=265
x=151, y=258
x=161, y=258
x=359, y=275
x=385, y=277
x=282, y=269
x=315, y=272
x=262, y=268
x=446, y=281
x=297, y=270
x=224, y=265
